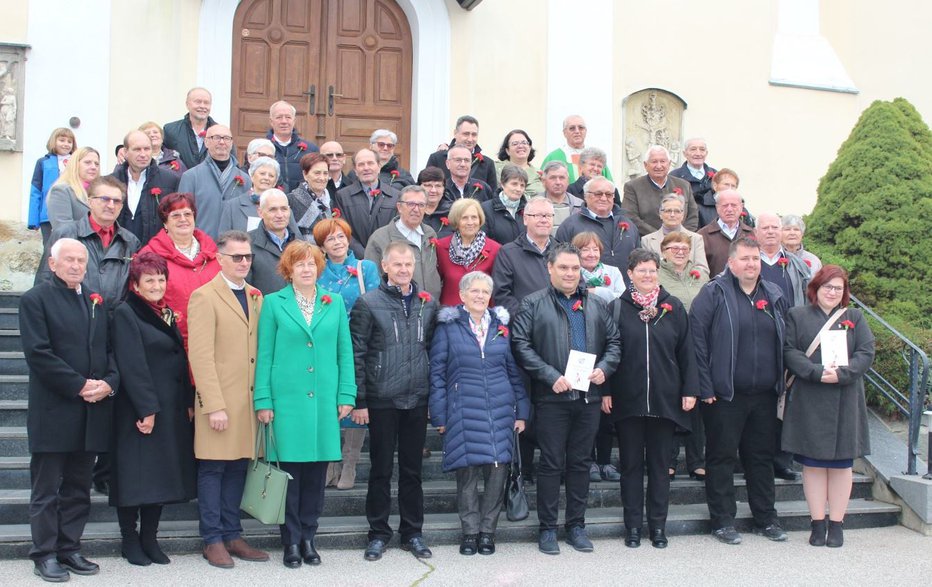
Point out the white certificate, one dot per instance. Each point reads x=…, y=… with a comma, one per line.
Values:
x=835, y=348
x=578, y=369
x=252, y=222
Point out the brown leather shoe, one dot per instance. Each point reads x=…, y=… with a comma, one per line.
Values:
x=217, y=555
x=240, y=549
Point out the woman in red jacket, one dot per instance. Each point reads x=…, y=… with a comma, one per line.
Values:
x=467, y=249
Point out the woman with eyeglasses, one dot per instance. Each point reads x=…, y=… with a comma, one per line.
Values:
x=190, y=253
x=468, y=249
x=825, y=418
x=242, y=213
x=437, y=213
x=518, y=149
x=672, y=213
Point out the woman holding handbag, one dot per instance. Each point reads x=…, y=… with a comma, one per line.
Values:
x=825, y=418
x=350, y=278
x=477, y=400
x=305, y=383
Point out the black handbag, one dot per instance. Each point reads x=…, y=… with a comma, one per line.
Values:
x=516, y=506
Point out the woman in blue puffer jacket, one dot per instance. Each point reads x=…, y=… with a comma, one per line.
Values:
x=477, y=399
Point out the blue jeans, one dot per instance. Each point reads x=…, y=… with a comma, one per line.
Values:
x=219, y=493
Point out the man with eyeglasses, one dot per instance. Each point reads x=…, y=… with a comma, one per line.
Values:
x=592, y=163
x=466, y=134
x=618, y=233
x=367, y=203
x=460, y=183
x=333, y=152
x=223, y=320
x=642, y=195
x=187, y=135
x=555, y=180
x=574, y=131
x=408, y=227
x=215, y=180
x=289, y=146
x=383, y=142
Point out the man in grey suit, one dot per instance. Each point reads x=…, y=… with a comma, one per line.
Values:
x=642, y=195
x=276, y=230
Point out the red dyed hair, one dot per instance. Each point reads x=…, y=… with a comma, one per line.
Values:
x=310, y=160
x=328, y=226
x=147, y=263
x=823, y=276
x=176, y=201
x=299, y=251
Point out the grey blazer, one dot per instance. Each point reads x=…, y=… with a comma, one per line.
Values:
x=63, y=206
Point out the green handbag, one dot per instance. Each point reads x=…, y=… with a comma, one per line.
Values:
x=266, y=484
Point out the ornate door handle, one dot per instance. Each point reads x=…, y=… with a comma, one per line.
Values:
x=311, y=94
x=330, y=97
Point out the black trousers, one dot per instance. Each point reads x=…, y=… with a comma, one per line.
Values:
x=60, y=502
x=781, y=458
x=565, y=433
x=406, y=429
x=637, y=436
x=304, y=501
x=694, y=442
x=743, y=426
x=604, y=439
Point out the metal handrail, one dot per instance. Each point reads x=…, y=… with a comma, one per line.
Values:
x=911, y=406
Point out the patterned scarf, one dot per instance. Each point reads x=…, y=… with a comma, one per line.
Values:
x=648, y=302
x=594, y=278
x=466, y=257
x=315, y=207
x=509, y=204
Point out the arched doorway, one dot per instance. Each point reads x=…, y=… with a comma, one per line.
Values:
x=344, y=64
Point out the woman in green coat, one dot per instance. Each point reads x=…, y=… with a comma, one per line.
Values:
x=305, y=384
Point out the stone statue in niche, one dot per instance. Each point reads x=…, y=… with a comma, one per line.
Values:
x=8, y=113
x=12, y=58
x=652, y=117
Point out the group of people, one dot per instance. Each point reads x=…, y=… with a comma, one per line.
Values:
x=187, y=307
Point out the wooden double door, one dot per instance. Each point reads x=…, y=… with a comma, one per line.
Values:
x=345, y=65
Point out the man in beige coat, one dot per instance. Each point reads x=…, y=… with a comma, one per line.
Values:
x=223, y=319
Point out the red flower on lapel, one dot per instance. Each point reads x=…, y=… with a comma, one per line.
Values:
x=744, y=214
x=352, y=270
x=425, y=296
x=678, y=191
x=96, y=300
x=337, y=213
x=502, y=331
x=761, y=305
x=664, y=307
x=375, y=192
x=606, y=280
x=326, y=299
x=624, y=226
x=175, y=166
x=202, y=134
x=434, y=242
x=394, y=173
x=695, y=274
x=846, y=324
x=476, y=188
x=711, y=174
x=807, y=262
x=156, y=192
x=783, y=262
x=255, y=294
x=302, y=146
x=479, y=158
x=577, y=306
x=238, y=180
x=444, y=221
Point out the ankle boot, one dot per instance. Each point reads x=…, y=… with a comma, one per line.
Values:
x=817, y=538
x=836, y=536
x=352, y=446
x=131, y=548
x=148, y=528
x=333, y=474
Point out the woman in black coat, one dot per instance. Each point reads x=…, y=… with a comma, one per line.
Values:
x=651, y=394
x=825, y=420
x=504, y=214
x=153, y=446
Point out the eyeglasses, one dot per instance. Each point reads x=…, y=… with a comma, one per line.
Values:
x=108, y=200
x=645, y=272
x=333, y=155
x=221, y=138
x=545, y=216
x=682, y=250
x=519, y=144
x=239, y=258
x=180, y=215
x=833, y=288
x=671, y=210
x=601, y=195
x=413, y=205
x=461, y=160
x=384, y=145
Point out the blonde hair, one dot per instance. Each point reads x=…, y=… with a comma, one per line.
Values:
x=460, y=207
x=69, y=177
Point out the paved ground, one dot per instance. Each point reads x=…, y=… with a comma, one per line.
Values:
x=874, y=556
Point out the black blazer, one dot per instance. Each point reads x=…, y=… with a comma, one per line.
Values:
x=65, y=340
x=145, y=223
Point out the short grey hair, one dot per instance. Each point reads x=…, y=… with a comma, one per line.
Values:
x=265, y=162
x=256, y=144
x=589, y=183
x=566, y=121
x=510, y=172
x=538, y=200
x=592, y=153
x=551, y=165
x=412, y=188
x=653, y=148
x=695, y=140
x=793, y=220
x=674, y=197
x=279, y=103
x=474, y=276
x=264, y=196
x=383, y=132
x=57, y=246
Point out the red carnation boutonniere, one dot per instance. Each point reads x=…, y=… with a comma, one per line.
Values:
x=678, y=191
x=394, y=173
x=352, y=270
x=337, y=213
x=695, y=274
x=623, y=226
x=476, y=188
x=710, y=174
x=664, y=307
x=175, y=166
x=444, y=221
x=577, y=306
x=96, y=300
x=156, y=192
x=762, y=306
x=302, y=146
x=502, y=331
x=744, y=214
x=375, y=192
x=479, y=158
x=202, y=134
x=425, y=297
x=238, y=180
x=433, y=243
x=327, y=300
x=783, y=262
x=808, y=263
x=846, y=324
x=255, y=294
x=606, y=280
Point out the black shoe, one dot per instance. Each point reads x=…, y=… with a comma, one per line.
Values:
x=79, y=565
x=632, y=537
x=416, y=546
x=131, y=550
x=102, y=487
x=658, y=539
x=547, y=542
x=375, y=549
x=609, y=473
x=151, y=547
x=51, y=570
x=772, y=532
x=786, y=474
x=577, y=538
x=697, y=476
x=292, y=556
x=595, y=473
x=309, y=553
x=836, y=535
x=727, y=535
x=470, y=544
x=817, y=536
x=486, y=543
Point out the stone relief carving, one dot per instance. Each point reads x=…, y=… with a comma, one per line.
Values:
x=12, y=58
x=652, y=117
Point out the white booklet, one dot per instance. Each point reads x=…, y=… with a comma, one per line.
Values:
x=835, y=348
x=578, y=369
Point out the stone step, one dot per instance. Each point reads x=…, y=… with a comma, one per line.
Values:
x=180, y=537
x=10, y=299
x=13, y=363
x=9, y=317
x=14, y=441
x=13, y=387
x=10, y=341
x=13, y=412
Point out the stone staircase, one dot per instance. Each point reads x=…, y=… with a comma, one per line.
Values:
x=343, y=524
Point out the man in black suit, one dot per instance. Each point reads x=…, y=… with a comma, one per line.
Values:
x=72, y=376
x=466, y=134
